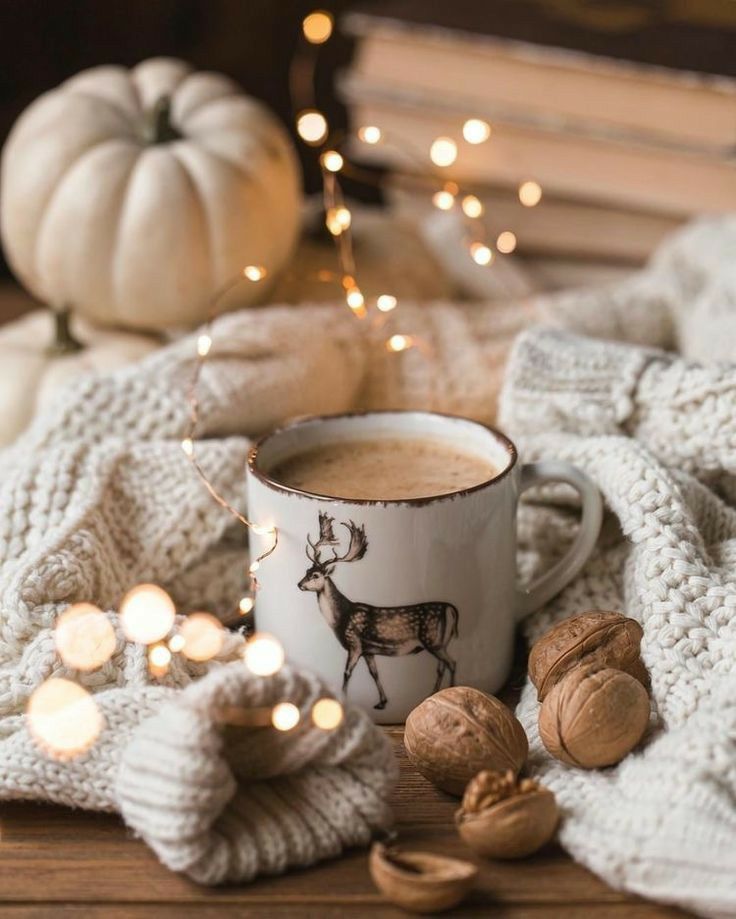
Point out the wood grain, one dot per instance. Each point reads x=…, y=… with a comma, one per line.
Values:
x=62, y=861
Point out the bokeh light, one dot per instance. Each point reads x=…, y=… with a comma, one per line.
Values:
x=147, y=614
x=327, y=714
x=203, y=636
x=176, y=643
x=204, y=343
x=311, y=126
x=246, y=605
x=285, y=716
x=317, y=27
x=63, y=718
x=443, y=200
x=370, y=134
x=399, y=343
x=506, y=242
x=159, y=656
x=530, y=193
x=476, y=131
x=386, y=303
x=263, y=654
x=84, y=637
x=254, y=272
x=355, y=299
x=481, y=254
x=472, y=206
x=443, y=151
x=332, y=160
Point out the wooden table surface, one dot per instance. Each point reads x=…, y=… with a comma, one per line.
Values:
x=56, y=862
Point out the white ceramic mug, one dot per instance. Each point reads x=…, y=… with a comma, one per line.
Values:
x=418, y=593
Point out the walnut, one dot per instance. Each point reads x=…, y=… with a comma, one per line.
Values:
x=594, y=716
x=419, y=881
x=502, y=817
x=459, y=731
x=596, y=637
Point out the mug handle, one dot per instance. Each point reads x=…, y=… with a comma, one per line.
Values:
x=561, y=573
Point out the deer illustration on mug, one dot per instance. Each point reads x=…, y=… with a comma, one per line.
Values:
x=365, y=630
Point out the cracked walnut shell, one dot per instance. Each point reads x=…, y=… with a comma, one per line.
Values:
x=597, y=637
x=420, y=882
x=593, y=717
x=458, y=732
x=502, y=817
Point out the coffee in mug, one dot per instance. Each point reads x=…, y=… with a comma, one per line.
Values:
x=384, y=469
x=395, y=569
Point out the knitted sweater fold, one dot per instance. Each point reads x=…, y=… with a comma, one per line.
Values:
x=650, y=430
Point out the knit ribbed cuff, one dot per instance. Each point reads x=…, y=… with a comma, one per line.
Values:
x=563, y=382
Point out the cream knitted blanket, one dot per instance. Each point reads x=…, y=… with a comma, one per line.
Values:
x=97, y=496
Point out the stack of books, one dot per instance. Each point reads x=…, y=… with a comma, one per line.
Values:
x=623, y=147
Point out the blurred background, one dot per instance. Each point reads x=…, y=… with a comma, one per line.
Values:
x=618, y=139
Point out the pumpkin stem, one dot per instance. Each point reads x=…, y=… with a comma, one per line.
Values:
x=157, y=126
x=64, y=341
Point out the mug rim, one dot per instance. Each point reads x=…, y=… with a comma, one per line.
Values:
x=276, y=485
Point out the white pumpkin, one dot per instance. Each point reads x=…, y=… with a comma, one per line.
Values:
x=131, y=196
x=35, y=365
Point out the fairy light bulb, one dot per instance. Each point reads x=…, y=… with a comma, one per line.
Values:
x=443, y=151
x=370, y=134
x=355, y=299
x=472, y=206
x=311, y=126
x=530, y=193
x=203, y=636
x=204, y=343
x=317, y=27
x=338, y=219
x=187, y=446
x=84, y=637
x=386, y=302
x=246, y=605
x=399, y=343
x=481, y=254
x=263, y=654
x=263, y=529
x=63, y=718
x=476, y=131
x=147, y=614
x=285, y=716
x=443, y=200
x=159, y=656
x=506, y=242
x=254, y=566
x=332, y=161
x=327, y=714
x=176, y=643
x=254, y=272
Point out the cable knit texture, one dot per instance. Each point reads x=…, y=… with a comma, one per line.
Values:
x=97, y=496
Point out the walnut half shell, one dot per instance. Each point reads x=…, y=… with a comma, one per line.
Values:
x=502, y=817
x=420, y=882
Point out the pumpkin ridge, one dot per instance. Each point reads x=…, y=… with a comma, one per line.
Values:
x=201, y=200
x=93, y=148
x=117, y=311
x=91, y=97
x=234, y=92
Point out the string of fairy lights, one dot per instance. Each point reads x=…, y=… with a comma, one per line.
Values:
x=62, y=715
